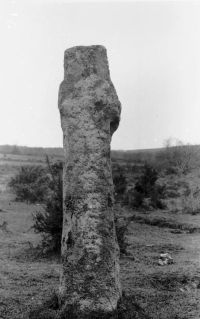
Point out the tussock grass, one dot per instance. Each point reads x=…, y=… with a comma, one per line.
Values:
x=127, y=308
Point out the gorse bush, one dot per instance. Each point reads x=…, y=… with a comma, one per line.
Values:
x=147, y=192
x=35, y=184
x=120, y=183
x=49, y=221
x=146, y=183
x=29, y=184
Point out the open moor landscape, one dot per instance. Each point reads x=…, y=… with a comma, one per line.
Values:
x=160, y=264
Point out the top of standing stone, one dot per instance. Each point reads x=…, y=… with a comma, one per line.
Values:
x=84, y=48
x=83, y=61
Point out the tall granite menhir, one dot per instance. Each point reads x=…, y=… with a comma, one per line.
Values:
x=90, y=113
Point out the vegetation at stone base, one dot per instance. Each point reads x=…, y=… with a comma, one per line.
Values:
x=127, y=308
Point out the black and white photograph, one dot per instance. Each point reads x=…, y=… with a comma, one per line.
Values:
x=99, y=159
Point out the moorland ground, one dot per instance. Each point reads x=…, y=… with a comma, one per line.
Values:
x=165, y=292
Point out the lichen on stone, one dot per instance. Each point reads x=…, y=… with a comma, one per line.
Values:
x=90, y=113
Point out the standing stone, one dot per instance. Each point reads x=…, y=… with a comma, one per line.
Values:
x=90, y=113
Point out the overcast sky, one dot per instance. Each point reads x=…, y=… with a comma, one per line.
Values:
x=154, y=56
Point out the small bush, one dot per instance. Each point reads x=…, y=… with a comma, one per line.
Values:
x=134, y=198
x=147, y=192
x=29, y=184
x=120, y=183
x=121, y=229
x=156, y=198
x=191, y=201
x=49, y=222
x=146, y=183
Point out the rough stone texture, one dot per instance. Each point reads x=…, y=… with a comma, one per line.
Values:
x=90, y=113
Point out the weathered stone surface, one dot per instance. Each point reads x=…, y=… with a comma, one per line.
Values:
x=90, y=113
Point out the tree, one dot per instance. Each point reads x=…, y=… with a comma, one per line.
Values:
x=180, y=157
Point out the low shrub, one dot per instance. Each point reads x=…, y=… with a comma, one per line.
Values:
x=191, y=201
x=121, y=229
x=49, y=221
x=147, y=193
x=29, y=184
x=120, y=183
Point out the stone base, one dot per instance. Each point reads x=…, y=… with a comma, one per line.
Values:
x=127, y=309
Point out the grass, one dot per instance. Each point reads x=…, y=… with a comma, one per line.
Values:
x=23, y=278
x=127, y=309
x=164, y=222
x=162, y=292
